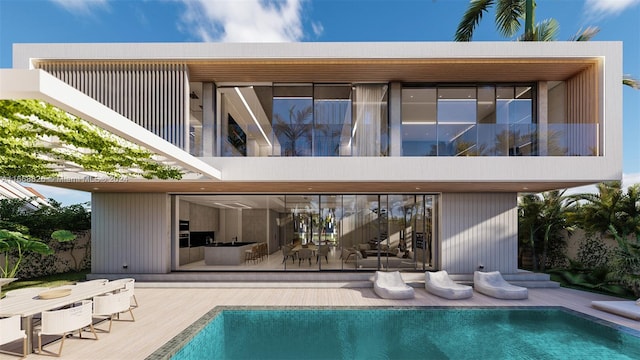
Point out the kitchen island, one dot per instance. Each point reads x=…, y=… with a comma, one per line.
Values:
x=226, y=253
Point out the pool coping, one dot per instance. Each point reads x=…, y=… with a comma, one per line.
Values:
x=173, y=346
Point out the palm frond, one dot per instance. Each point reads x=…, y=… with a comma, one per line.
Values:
x=508, y=16
x=586, y=34
x=631, y=82
x=471, y=19
x=544, y=31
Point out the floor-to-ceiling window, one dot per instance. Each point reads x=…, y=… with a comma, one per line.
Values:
x=473, y=120
x=308, y=232
x=303, y=120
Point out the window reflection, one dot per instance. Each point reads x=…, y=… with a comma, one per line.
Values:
x=483, y=120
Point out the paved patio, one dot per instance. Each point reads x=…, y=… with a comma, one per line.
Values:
x=166, y=311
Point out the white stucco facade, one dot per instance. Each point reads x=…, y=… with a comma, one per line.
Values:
x=472, y=200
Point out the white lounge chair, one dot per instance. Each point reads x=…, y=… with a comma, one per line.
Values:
x=440, y=284
x=492, y=284
x=389, y=285
x=629, y=309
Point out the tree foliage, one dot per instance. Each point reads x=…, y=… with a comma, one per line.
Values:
x=28, y=127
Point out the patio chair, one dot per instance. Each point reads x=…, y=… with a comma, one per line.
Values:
x=66, y=321
x=492, y=284
x=389, y=285
x=10, y=331
x=440, y=284
x=323, y=250
x=109, y=305
x=629, y=309
x=304, y=254
x=129, y=284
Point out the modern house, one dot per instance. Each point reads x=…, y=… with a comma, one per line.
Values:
x=371, y=155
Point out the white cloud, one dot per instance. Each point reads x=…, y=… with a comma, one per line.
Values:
x=244, y=20
x=603, y=8
x=83, y=7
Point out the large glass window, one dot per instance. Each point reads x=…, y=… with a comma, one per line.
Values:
x=480, y=120
x=332, y=120
x=305, y=232
x=419, y=119
x=293, y=120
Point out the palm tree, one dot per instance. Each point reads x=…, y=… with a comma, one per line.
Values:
x=510, y=13
x=601, y=210
x=542, y=218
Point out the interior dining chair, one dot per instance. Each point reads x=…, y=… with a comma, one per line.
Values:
x=304, y=254
x=10, y=331
x=323, y=250
x=65, y=321
x=287, y=251
x=109, y=305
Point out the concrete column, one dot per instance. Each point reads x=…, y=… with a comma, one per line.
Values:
x=395, y=119
x=208, y=119
x=543, y=117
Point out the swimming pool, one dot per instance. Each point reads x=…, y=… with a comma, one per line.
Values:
x=400, y=333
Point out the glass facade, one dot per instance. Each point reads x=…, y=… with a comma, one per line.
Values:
x=341, y=232
x=327, y=120
x=484, y=120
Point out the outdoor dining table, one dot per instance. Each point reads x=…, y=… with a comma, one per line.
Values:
x=27, y=307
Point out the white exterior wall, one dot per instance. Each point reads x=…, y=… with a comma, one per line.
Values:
x=479, y=229
x=132, y=229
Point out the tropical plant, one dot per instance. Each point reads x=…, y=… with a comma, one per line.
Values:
x=542, y=219
x=27, y=126
x=611, y=206
x=509, y=17
x=625, y=265
x=509, y=14
x=15, y=245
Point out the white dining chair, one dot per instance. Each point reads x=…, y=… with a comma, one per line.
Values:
x=10, y=331
x=129, y=284
x=110, y=305
x=64, y=321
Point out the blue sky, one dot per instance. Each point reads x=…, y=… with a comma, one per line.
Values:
x=62, y=21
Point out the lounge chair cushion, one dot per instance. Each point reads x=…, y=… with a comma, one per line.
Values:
x=389, y=285
x=440, y=284
x=628, y=309
x=492, y=284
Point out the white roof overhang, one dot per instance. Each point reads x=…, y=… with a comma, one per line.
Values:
x=40, y=85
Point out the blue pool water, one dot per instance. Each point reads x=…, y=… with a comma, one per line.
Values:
x=406, y=333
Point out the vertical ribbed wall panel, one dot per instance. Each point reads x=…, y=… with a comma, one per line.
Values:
x=151, y=95
x=582, y=100
x=132, y=229
x=479, y=229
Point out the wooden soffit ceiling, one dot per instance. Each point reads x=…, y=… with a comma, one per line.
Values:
x=337, y=187
x=402, y=70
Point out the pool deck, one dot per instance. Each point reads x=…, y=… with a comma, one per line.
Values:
x=166, y=311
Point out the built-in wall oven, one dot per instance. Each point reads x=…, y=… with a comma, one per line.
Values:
x=183, y=234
